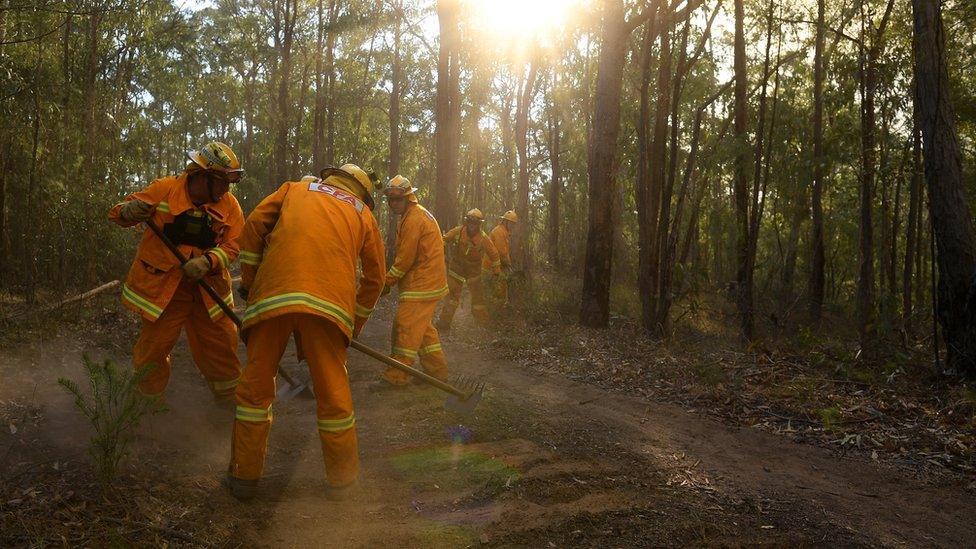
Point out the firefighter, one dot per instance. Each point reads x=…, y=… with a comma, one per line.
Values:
x=299, y=253
x=467, y=246
x=421, y=275
x=196, y=212
x=501, y=237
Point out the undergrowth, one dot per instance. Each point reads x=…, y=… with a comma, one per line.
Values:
x=114, y=408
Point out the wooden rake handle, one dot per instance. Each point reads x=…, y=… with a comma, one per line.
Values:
x=409, y=370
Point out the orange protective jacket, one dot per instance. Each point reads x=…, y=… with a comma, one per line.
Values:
x=501, y=238
x=299, y=253
x=467, y=253
x=155, y=272
x=419, y=267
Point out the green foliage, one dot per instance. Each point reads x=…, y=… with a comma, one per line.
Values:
x=114, y=409
x=830, y=418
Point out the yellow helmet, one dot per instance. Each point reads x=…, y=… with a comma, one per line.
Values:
x=400, y=186
x=361, y=182
x=474, y=214
x=218, y=157
x=510, y=215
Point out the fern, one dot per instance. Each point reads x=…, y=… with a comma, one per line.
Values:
x=114, y=409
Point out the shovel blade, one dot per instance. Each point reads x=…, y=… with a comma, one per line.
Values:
x=288, y=390
x=465, y=405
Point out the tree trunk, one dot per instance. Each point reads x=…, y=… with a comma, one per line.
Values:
x=869, y=86
x=396, y=91
x=646, y=214
x=364, y=95
x=249, y=93
x=816, y=285
x=479, y=99
x=446, y=114
x=295, y=166
x=91, y=95
x=556, y=183
x=911, y=224
x=741, y=177
x=30, y=269
x=318, y=116
x=865, y=279
x=759, y=154
x=601, y=165
x=659, y=187
x=949, y=212
x=287, y=15
x=521, y=148
x=330, y=113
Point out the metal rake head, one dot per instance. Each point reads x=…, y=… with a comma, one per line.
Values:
x=474, y=391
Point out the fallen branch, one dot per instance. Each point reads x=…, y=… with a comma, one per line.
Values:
x=80, y=297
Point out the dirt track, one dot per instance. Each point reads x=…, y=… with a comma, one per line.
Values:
x=544, y=462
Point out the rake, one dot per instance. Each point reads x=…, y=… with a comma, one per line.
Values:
x=462, y=397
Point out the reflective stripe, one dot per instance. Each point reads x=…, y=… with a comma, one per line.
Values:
x=430, y=349
x=249, y=258
x=363, y=311
x=215, y=310
x=403, y=351
x=221, y=386
x=224, y=260
x=132, y=297
x=298, y=298
x=408, y=296
x=395, y=273
x=163, y=207
x=253, y=415
x=454, y=275
x=496, y=264
x=337, y=425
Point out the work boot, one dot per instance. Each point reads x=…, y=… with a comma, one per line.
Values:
x=341, y=493
x=241, y=489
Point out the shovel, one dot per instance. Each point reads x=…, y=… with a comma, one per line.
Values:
x=461, y=399
x=291, y=387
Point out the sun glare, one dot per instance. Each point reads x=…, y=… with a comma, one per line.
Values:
x=524, y=20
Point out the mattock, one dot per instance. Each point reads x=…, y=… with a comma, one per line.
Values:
x=462, y=398
x=291, y=386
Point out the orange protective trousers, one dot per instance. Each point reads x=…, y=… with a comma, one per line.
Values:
x=415, y=336
x=478, y=308
x=213, y=344
x=324, y=346
x=501, y=288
